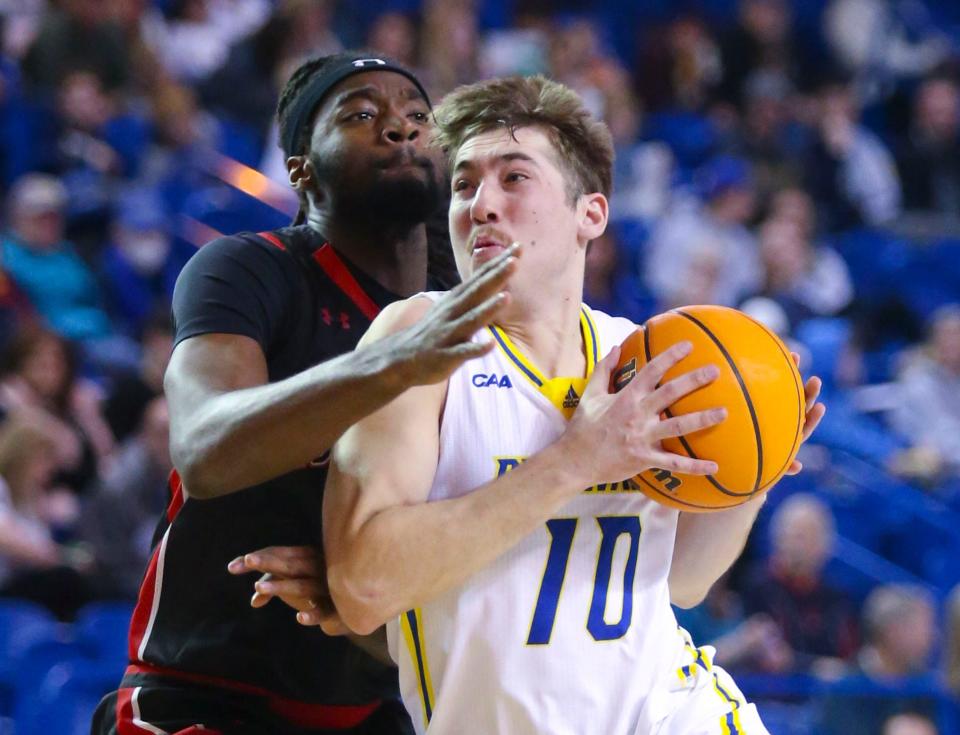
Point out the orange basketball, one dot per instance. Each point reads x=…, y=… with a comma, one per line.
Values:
x=760, y=387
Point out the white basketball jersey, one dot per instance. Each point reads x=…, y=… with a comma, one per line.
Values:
x=570, y=631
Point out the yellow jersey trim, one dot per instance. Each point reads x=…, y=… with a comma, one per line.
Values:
x=563, y=392
x=411, y=624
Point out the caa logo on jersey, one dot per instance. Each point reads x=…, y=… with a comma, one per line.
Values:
x=482, y=380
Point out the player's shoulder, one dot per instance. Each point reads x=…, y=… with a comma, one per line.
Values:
x=401, y=314
x=611, y=330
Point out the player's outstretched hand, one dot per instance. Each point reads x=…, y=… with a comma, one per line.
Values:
x=614, y=436
x=815, y=411
x=436, y=345
x=296, y=575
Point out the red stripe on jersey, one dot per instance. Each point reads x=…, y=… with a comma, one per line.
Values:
x=176, y=496
x=301, y=714
x=145, y=600
x=141, y=613
x=125, y=724
x=328, y=259
x=272, y=239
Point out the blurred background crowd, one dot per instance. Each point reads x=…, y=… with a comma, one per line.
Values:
x=798, y=160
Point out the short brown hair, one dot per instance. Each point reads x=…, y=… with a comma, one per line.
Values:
x=583, y=143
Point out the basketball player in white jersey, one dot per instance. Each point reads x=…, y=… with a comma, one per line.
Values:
x=526, y=587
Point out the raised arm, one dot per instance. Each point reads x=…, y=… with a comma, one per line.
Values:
x=230, y=429
x=388, y=550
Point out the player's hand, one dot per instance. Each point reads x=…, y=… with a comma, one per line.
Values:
x=814, y=410
x=296, y=575
x=614, y=436
x=440, y=342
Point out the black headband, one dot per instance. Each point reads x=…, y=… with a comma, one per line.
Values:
x=308, y=100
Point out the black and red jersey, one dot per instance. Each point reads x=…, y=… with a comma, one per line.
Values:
x=304, y=304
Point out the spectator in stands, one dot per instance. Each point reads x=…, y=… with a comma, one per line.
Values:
x=899, y=634
x=752, y=643
x=769, y=136
x=261, y=62
x=909, y=723
x=37, y=376
x=761, y=43
x=817, y=621
x=32, y=564
x=927, y=413
x=77, y=35
x=952, y=625
x=184, y=136
x=394, y=34
x=679, y=66
x=130, y=393
x=137, y=267
x=871, y=42
x=806, y=280
x=850, y=173
x=450, y=53
x=121, y=513
x=193, y=37
x=45, y=266
x=706, y=253
x=929, y=160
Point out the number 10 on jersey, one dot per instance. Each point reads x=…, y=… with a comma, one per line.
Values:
x=562, y=532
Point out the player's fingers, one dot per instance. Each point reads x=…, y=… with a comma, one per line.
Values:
x=688, y=423
x=814, y=417
x=794, y=468
x=684, y=465
x=599, y=382
x=486, y=281
x=811, y=391
x=302, y=588
x=285, y=567
x=267, y=556
x=651, y=374
x=259, y=599
x=796, y=358
x=668, y=393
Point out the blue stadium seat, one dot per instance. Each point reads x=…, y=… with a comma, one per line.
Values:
x=22, y=625
x=64, y=701
x=101, y=630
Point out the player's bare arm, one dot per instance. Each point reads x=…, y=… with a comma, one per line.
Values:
x=709, y=543
x=230, y=429
x=388, y=550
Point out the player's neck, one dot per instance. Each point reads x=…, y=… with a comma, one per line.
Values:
x=547, y=331
x=395, y=257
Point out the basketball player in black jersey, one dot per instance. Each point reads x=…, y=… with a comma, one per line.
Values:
x=262, y=381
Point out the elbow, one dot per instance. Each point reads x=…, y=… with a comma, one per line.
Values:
x=197, y=472
x=361, y=601
x=688, y=595
x=686, y=600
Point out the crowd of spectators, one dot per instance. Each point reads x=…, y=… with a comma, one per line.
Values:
x=799, y=160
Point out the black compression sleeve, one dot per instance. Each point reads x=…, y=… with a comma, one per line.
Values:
x=235, y=285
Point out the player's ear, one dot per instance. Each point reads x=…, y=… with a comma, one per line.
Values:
x=593, y=210
x=299, y=172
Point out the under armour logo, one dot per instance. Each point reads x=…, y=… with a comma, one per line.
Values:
x=369, y=62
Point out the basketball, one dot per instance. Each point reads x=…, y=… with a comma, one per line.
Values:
x=760, y=387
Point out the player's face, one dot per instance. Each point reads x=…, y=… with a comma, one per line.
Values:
x=512, y=188
x=370, y=148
